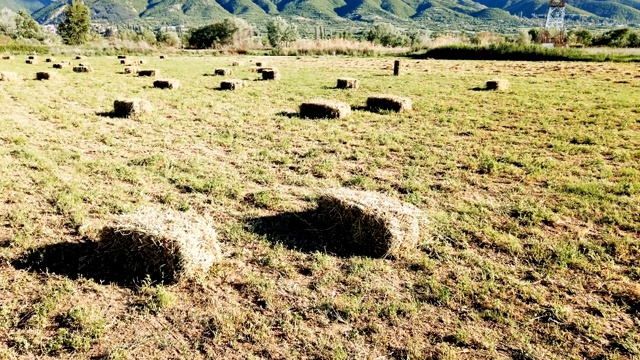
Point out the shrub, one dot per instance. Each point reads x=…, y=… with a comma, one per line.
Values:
x=219, y=33
x=280, y=32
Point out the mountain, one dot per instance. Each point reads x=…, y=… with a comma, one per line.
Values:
x=443, y=11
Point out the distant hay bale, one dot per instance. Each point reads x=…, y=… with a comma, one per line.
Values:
x=7, y=57
x=161, y=56
x=232, y=84
x=126, y=62
x=79, y=57
x=261, y=69
x=59, y=66
x=166, y=245
x=253, y=69
x=8, y=76
x=32, y=57
x=122, y=56
x=235, y=63
x=48, y=60
x=348, y=83
x=149, y=72
x=140, y=62
x=261, y=64
x=324, y=109
x=46, y=75
x=271, y=74
x=131, y=70
x=83, y=68
x=31, y=61
x=373, y=223
x=166, y=84
x=222, y=71
x=389, y=102
x=497, y=84
x=131, y=107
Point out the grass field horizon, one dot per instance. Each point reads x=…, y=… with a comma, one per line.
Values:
x=533, y=201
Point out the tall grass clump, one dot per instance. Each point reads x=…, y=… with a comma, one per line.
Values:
x=337, y=47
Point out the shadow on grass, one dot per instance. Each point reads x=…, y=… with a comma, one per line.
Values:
x=76, y=260
x=477, y=88
x=289, y=114
x=304, y=231
x=109, y=114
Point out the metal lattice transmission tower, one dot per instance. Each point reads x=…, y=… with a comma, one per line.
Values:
x=554, y=27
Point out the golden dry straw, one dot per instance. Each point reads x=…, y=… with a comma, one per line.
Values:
x=8, y=76
x=348, y=83
x=497, y=84
x=131, y=107
x=232, y=84
x=83, y=68
x=31, y=61
x=222, y=71
x=7, y=57
x=389, y=103
x=373, y=223
x=166, y=84
x=270, y=74
x=324, y=109
x=59, y=65
x=164, y=245
x=149, y=72
x=131, y=70
x=46, y=75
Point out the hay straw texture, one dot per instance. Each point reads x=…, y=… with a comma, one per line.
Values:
x=389, y=102
x=59, y=66
x=131, y=70
x=222, y=71
x=149, y=72
x=232, y=84
x=348, y=83
x=497, y=84
x=8, y=76
x=324, y=109
x=46, y=75
x=373, y=223
x=131, y=107
x=166, y=84
x=167, y=245
x=270, y=74
x=31, y=61
x=83, y=68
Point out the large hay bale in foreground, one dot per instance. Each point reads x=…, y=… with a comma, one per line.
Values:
x=8, y=76
x=149, y=72
x=497, y=84
x=166, y=84
x=324, y=109
x=46, y=75
x=389, y=102
x=131, y=107
x=222, y=72
x=232, y=84
x=86, y=68
x=371, y=223
x=348, y=83
x=165, y=245
x=271, y=74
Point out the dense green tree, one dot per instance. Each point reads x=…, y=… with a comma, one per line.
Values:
x=386, y=35
x=219, y=33
x=20, y=25
x=536, y=34
x=583, y=37
x=280, y=32
x=76, y=25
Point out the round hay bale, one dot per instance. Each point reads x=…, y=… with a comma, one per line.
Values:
x=166, y=84
x=59, y=65
x=131, y=70
x=348, y=83
x=31, y=61
x=131, y=107
x=222, y=72
x=324, y=109
x=389, y=103
x=46, y=75
x=270, y=74
x=149, y=72
x=497, y=84
x=372, y=223
x=164, y=245
x=8, y=76
x=232, y=84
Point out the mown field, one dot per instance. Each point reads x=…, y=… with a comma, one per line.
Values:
x=533, y=195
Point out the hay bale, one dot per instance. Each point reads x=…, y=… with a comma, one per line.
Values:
x=83, y=68
x=222, y=72
x=7, y=57
x=59, y=65
x=122, y=56
x=131, y=70
x=235, y=63
x=324, y=109
x=253, y=69
x=31, y=61
x=149, y=72
x=48, y=60
x=389, y=102
x=232, y=84
x=261, y=64
x=140, y=62
x=270, y=74
x=126, y=62
x=161, y=56
x=79, y=57
x=372, y=223
x=46, y=75
x=131, y=107
x=497, y=84
x=348, y=83
x=166, y=84
x=8, y=76
x=166, y=245
x=32, y=57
